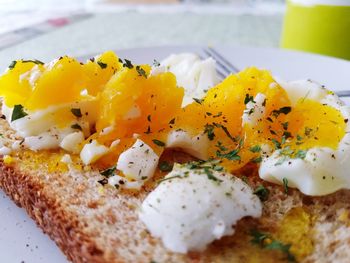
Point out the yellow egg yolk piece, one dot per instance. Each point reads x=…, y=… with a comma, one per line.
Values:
x=219, y=114
x=99, y=70
x=14, y=88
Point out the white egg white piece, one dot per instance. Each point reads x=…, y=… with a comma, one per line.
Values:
x=197, y=145
x=72, y=142
x=138, y=163
x=323, y=170
x=92, y=151
x=254, y=111
x=190, y=209
x=196, y=76
x=40, y=130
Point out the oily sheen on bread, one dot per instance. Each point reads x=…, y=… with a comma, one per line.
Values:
x=94, y=224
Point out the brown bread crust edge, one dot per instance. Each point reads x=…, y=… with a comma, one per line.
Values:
x=50, y=216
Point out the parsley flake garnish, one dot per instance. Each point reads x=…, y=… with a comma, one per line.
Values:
x=18, y=112
x=248, y=99
x=102, y=65
x=76, y=112
x=211, y=175
x=35, y=61
x=301, y=154
x=257, y=160
x=169, y=178
x=156, y=63
x=209, y=130
x=103, y=182
x=276, y=143
x=199, y=101
x=307, y=131
x=165, y=166
x=108, y=172
x=255, y=149
x=141, y=71
x=232, y=155
x=127, y=63
x=158, y=142
x=262, y=192
x=13, y=64
x=172, y=121
x=284, y=110
x=285, y=185
x=259, y=238
x=76, y=126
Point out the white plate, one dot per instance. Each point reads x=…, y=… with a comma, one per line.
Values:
x=21, y=240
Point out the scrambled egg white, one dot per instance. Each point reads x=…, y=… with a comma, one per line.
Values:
x=191, y=208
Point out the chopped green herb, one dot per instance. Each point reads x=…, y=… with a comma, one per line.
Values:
x=165, y=166
x=209, y=130
x=285, y=185
x=127, y=63
x=141, y=71
x=103, y=182
x=277, y=245
x=76, y=126
x=158, y=142
x=301, y=154
x=232, y=155
x=13, y=64
x=257, y=160
x=156, y=63
x=255, y=149
x=220, y=146
x=285, y=125
x=276, y=143
x=172, y=121
x=262, y=192
x=248, y=98
x=217, y=115
x=35, y=61
x=287, y=134
x=199, y=101
x=169, y=178
x=273, y=132
x=76, y=112
x=284, y=110
x=211, y=175
x=108, y=172
x=281, y=160
x=101, y=64
x=307, y=131
x=18, y=112
x=218, y=125
x=258, y=238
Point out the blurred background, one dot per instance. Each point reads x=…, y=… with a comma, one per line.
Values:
x=45, y=29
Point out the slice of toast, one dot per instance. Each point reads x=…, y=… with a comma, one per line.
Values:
x=95, y=224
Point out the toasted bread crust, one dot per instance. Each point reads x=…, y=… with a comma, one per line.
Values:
x=52, y=218
x=93, y=226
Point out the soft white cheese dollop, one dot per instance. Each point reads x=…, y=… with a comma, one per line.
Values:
x=196, y=76
x=323, y=170
x=189, y=209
